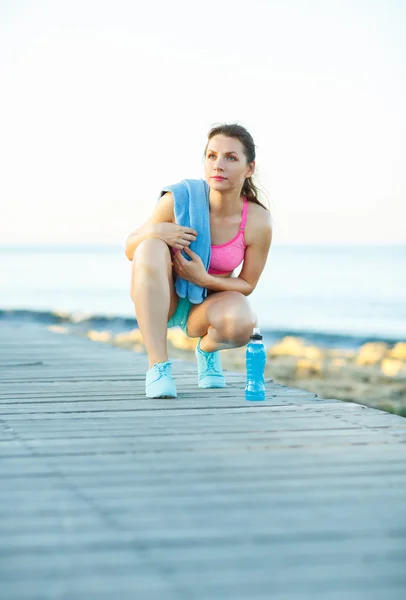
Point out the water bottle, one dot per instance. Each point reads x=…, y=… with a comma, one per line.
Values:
x=255, y=357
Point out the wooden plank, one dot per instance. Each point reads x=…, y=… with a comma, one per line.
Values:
x=103, y=492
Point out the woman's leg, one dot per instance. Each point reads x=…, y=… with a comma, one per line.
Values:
x=224, y=320
x=154, y=296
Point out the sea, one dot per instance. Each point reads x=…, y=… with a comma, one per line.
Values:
x=333, y=296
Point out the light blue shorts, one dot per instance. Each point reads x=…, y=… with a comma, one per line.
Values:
x=181, y=315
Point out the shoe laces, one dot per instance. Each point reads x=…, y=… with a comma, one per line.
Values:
x=211, y=362
x=164, y=369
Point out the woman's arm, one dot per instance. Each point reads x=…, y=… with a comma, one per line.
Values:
x=227, y=284
x=136, y=237
x=162, y=212
x=256, y=255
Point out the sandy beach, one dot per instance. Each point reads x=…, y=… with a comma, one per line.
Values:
x=374, y=375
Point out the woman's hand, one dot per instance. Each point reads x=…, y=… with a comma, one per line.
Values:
x=190, y=270
x=174, y=235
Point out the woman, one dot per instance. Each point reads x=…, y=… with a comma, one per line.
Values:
x=240, y=230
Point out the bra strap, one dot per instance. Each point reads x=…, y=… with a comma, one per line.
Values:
x=244, y=214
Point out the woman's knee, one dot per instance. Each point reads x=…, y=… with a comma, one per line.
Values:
x=237, y=320
x=152, y=255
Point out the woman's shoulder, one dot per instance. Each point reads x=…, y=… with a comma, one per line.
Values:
x=259, y=222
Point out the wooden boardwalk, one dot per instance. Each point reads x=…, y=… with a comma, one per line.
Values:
x=106, y=494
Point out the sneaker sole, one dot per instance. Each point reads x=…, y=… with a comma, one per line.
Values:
x=161, y=396
x=211, y=385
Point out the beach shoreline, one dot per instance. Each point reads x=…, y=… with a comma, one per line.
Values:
x=116, y=323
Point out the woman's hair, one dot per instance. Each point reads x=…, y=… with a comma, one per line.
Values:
x=233, y=130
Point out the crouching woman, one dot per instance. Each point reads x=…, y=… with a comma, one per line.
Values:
x=240, y=232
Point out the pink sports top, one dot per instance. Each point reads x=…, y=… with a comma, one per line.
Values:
x=224, y=258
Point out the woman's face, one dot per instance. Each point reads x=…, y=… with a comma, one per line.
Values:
x=225, y=158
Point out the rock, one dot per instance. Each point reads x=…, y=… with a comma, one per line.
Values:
x=100, y=336
x=306, y=367
x=288, y=346
x=293, y=346
x=398, y=351
x=393, y=368
x=371, y=353
x=57, y=329
x=128, y=338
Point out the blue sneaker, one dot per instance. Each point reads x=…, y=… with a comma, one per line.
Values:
x=210, y=373
x=159, y=382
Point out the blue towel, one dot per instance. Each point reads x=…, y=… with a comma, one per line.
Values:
x=191, y=208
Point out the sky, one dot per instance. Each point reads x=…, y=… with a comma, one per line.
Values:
x=104, y=103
